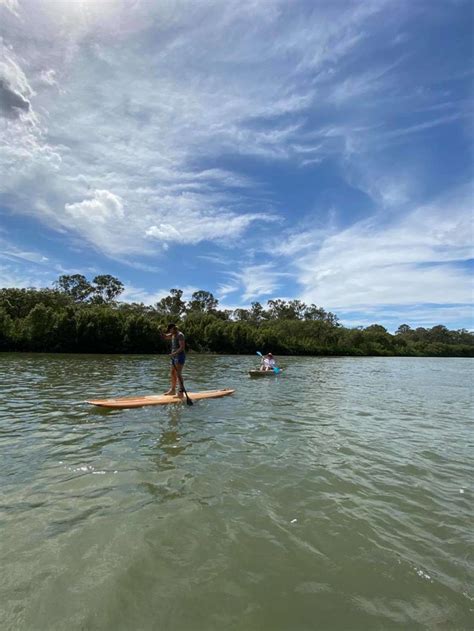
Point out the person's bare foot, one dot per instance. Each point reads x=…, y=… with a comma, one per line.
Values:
x=180, y=395
x=170, y=393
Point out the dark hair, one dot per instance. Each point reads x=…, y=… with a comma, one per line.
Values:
x=170, y=326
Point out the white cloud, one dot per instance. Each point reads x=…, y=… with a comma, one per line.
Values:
x=11, y=5
x=32, y=257
x=258, y=280
x=224, y=289
x=24, y=277
x=163, y=232
x=21, y=256
x=413, y=129
x=417, y=316
x=48, y=77
x=140, y=130
x=408, y=260
x=362, y=84
x=103, y=207
x=139, y=294
x=15, y=90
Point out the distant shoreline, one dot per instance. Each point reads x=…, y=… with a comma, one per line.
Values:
x=80, y=317
x=214, y=354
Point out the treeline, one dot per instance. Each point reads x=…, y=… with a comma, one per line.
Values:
x=81, y=316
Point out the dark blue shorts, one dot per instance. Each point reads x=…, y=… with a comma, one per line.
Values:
x=180, y=358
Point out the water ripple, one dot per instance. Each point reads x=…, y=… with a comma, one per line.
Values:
x=339, y=493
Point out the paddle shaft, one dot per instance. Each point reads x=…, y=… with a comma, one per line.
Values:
x=180, y=379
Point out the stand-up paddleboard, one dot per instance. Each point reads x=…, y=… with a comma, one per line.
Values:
x=158, y=399
x=264, y=373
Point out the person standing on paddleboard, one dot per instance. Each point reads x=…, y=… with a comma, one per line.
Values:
x=178, y=357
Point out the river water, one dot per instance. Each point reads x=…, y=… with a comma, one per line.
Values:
x=336, y=496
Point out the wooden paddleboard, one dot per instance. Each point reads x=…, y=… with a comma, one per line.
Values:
x=264, y=373
x=158, y=399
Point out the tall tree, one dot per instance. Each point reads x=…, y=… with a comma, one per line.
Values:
x=76, y=286
x=439, y=333
x=315, y=313
x=318, y=313
x=257, y=312
x=403, y=329
x=203, y=302
x=242, y=315
x=286, y=310
x=172, y=306
x=106, y=288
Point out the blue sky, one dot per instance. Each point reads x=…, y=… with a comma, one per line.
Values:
x=254, y=149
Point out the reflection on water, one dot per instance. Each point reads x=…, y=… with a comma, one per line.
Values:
x=337, y=495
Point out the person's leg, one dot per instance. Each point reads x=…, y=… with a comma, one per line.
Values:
x=179, y=369
x=173, y=379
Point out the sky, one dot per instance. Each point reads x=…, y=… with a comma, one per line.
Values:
x=256, y=149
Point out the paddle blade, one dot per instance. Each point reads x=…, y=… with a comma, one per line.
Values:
x=259, y=354
x=188, y=401
x=276, y=369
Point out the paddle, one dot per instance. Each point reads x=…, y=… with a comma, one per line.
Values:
x=276, y=370
x=188, y=400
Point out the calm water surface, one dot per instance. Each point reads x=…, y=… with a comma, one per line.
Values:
x=336, y=496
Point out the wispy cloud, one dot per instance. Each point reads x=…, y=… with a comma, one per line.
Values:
x=32, y=257
x=10, y=5
x=141, y=145
x=412, y=259
x=24, y=277
x=259, y=280
x=224, y=289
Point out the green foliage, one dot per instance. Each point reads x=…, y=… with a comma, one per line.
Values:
x=6, y=330
x=141, y=335
x=17, y=303
x=104, y=288
x=242, y=337
x=100, y=330
x=203, y=302
x=172, y=306
x=38, y=328
x=78, y=316
x=76, y=286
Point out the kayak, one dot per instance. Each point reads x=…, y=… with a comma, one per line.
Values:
x=158, y=399
x=264, y=373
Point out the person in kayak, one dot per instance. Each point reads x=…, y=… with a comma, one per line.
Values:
x=178, y=357
x=268, y=362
